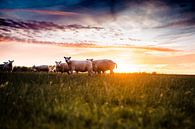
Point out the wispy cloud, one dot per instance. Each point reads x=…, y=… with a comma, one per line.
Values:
x=41, y=31
x=11, y=24
x=180, y=23
x=160, y=49
x=91, y=45
x=50, y=12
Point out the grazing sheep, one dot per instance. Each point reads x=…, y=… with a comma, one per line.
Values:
x=62, y=67
x=103, y=65
x=41, y=68
x=22, y=69
x=79, y=66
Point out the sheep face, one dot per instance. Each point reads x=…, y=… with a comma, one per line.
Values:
x=67, y=59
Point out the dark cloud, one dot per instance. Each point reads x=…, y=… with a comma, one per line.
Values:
x=180, y=23
x=7, y=24
x=49, y=12
x=184, y=6
x=17, y=30
x=180, y=8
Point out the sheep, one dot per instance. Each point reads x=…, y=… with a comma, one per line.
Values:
x=8, y=66
x=79, y=65
x=62, y=67
x=41, y=68
x=22, y=69
x=103, y=65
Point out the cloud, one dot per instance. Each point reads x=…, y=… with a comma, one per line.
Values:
x=10, y=24
x=45, y=32
x=72, y=35
x=181, y=23
x=160, y=49
x=50, y=12
x=91, y=45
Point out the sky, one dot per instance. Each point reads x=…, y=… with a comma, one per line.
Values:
x=139, y=35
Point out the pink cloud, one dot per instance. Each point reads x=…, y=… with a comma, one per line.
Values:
x=62, y=13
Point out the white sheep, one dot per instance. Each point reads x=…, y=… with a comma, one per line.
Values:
x=103, y=65
x=79, y=65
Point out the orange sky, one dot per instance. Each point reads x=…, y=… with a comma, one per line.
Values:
x=128, y=59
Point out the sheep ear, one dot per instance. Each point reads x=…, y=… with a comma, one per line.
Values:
x=69, y=58
x=91, y=59
x=60, y=62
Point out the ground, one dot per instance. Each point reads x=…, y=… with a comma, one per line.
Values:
x=119, y=101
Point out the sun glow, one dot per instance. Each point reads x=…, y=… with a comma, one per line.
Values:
x=123, y=67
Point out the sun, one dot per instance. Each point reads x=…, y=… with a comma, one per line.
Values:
x=123, y=67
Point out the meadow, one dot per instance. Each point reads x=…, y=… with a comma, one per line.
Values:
x=119, y=101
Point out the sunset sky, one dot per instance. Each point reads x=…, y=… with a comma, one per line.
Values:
x=139, y=35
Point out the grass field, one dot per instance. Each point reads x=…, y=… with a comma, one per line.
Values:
x=119, y=101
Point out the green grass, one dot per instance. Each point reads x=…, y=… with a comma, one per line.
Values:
x=119, y=101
